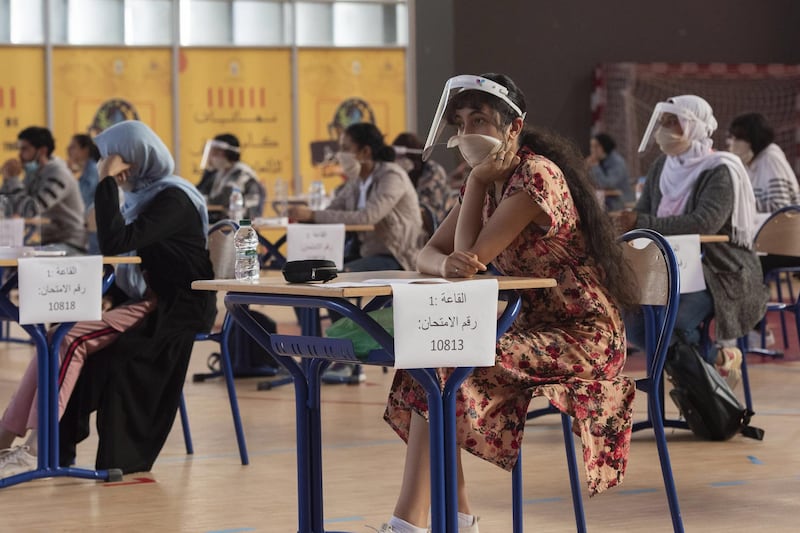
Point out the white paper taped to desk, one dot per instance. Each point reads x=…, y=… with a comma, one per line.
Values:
x=445, y=325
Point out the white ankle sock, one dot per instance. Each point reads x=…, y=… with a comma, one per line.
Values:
x=401, y=526
x=465, y=520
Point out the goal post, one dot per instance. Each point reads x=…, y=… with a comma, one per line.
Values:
x=624, y=95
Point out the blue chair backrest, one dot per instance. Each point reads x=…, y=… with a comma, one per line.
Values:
x=658, y=281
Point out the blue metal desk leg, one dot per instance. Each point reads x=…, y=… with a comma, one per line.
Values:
x=309, y=475
x=450, y=446
x=429, y=381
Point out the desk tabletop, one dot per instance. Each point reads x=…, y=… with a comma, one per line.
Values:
x=107, y=260
x=714, y=238
x=261, y=225
x=277, y=285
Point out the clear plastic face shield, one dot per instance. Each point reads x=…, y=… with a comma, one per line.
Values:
x=453, y=86
x=211, y=145
x=403, y=159
x=656, y=119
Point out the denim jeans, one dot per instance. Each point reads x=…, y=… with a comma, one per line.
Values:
x=692, y=309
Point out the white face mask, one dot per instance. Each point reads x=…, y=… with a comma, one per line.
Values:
x=351, y=167
x=671, y=143
x=474, y=147
x=742, y=149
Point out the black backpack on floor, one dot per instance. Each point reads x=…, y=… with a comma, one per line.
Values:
x=248, y=359
x=704, y=398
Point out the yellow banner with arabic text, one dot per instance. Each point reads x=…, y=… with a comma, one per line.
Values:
x=94, y=88
x=245, y=92
x=340, y=87
x=22, y=98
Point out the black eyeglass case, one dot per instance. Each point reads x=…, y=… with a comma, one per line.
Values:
x=309, y=271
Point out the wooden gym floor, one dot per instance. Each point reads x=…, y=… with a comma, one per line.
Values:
x=738, y=485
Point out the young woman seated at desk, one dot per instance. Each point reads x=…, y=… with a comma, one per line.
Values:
x=528, y=208
x=140, y=348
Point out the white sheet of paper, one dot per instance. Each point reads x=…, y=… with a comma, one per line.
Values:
x=12, y=232
x=62, y=289
x=315, y=241
x=445, y=325
x=388, y=281
x=688, y=255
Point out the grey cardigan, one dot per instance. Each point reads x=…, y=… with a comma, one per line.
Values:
x=392, y=206
x=732, y=273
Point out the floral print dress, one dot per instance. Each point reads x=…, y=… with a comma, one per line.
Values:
x=568, y=345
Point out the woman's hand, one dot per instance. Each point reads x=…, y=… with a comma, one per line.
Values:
x=497, y=167
x=461, y=265
x=113, y=165
x=300, y=213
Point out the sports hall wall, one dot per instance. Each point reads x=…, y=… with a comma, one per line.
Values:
x=246, y=91
x=551, y=48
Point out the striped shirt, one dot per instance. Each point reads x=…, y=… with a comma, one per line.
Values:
x=51, y=192
x=774, y=183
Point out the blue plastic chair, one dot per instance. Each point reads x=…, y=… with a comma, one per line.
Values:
x=220, y=248
x=779, y=235
x=658, y=281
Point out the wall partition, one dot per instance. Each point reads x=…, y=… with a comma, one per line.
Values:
x=285, y=76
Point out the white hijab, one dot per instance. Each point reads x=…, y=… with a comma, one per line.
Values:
x=681, y=172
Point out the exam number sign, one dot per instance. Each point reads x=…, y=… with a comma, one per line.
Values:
x=316, y=241
x=60, y=289
x=445, y=325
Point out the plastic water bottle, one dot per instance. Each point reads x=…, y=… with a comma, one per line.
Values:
x=236, y=204
x=316, y=196
x=245, y=241
x=640, y=187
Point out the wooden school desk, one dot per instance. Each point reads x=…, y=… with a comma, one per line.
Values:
x=47, y=383
x=315, y=352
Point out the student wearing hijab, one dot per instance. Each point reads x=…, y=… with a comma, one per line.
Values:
x=140, y=348
x=693, y=189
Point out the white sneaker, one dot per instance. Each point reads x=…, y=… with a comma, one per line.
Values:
x=754, y=339
x=343, y=373
x=17, y=461
x=471, y=529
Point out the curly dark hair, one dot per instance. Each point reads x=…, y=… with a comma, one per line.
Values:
x=596, y=227
x=476, y=99
x=595, y=224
